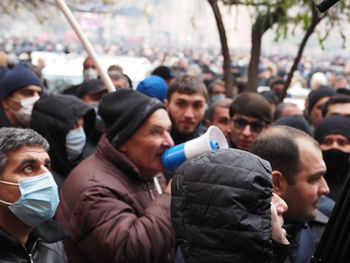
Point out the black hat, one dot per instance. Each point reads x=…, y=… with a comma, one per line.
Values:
x=17, y=78
x=164, y=72
x=318, y=94
x=295, y=121
x=124, y=111
x=90, y=87
x=333, y=124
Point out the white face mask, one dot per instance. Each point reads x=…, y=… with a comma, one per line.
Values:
x=75, y=142
x=90, y=74
x=24, y=114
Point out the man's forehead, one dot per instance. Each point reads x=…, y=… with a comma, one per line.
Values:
x=29, y=152
x=188, y=97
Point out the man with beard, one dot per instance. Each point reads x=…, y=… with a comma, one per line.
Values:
x=186, y=104
x=297, y=176
x=333, y=135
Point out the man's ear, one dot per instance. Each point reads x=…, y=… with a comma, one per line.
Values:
x=279, y=183
x=166, y=103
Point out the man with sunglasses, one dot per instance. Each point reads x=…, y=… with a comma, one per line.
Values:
x=250, y=114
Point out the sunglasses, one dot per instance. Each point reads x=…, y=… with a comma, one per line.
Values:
x=255, y=126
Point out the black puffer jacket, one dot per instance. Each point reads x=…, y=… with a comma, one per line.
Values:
x=53, y=116
x=220, y=208
x=44, y=245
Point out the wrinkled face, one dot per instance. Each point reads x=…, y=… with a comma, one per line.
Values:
x=25, y=162
x=221, y=119
x=186, y=111
x=146, y=147
x=335, y=141
x=339, y=109
x=316, y=111
x=278, y=208
x=303, y=196
x=244, y=130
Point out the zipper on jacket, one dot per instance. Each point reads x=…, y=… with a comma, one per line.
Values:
x=30, y=258
x=150, y=190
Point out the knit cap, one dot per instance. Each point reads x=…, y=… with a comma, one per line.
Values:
x=318, y=94
x=153, y=86
x=124, y=112
x=333, y=124
x=17, y=78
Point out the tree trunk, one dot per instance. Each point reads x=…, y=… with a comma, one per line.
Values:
x=262, y=24
x=224, y=47
x=253, y=68
x=315, y=21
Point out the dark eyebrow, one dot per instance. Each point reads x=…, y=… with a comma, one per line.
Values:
x=318, y=175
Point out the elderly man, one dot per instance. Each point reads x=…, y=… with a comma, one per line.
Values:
x=111, y=203
x=20, y=88
x=28, y=200
x=297, y=175
x=333, y=135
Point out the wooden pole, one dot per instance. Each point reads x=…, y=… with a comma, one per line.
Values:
x=85, y=42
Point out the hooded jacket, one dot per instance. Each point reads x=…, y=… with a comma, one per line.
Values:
x=53, y=117
x=112, y=215
x=220, y=208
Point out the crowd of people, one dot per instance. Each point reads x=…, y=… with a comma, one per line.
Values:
x=82, y=177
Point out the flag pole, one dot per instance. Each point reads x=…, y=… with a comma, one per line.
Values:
x=87, y=45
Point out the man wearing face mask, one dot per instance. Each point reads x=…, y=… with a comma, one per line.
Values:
x=333, y=135
x=66, y=122
x=28, y=200
x=20, y=88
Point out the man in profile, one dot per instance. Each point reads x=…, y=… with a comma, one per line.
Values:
x=297, y=175
x=114, y=204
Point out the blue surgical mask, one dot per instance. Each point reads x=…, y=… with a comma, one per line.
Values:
x=39, y=199
x=75, y=142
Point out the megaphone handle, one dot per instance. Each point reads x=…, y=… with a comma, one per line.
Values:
x=157, y=185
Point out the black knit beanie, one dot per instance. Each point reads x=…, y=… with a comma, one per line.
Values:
x=334, y=124
x=318, y=94
x=124, y=111
x=17, y=78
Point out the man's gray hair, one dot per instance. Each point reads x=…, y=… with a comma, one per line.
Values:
x=12, y=139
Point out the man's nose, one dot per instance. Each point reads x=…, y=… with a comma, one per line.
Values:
x=247, y=130
x=324, y=189
x=168, y=141
x=189, y=113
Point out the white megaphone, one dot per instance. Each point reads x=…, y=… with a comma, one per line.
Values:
x=212, y=139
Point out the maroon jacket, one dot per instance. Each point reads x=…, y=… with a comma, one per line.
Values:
x=111, y=215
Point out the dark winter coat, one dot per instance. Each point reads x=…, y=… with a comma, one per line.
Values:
x=220, y=208
x=44, y=245
x=111, y=215
x=53, y=117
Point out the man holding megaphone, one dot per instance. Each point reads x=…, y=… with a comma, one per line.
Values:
x=111, y=206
